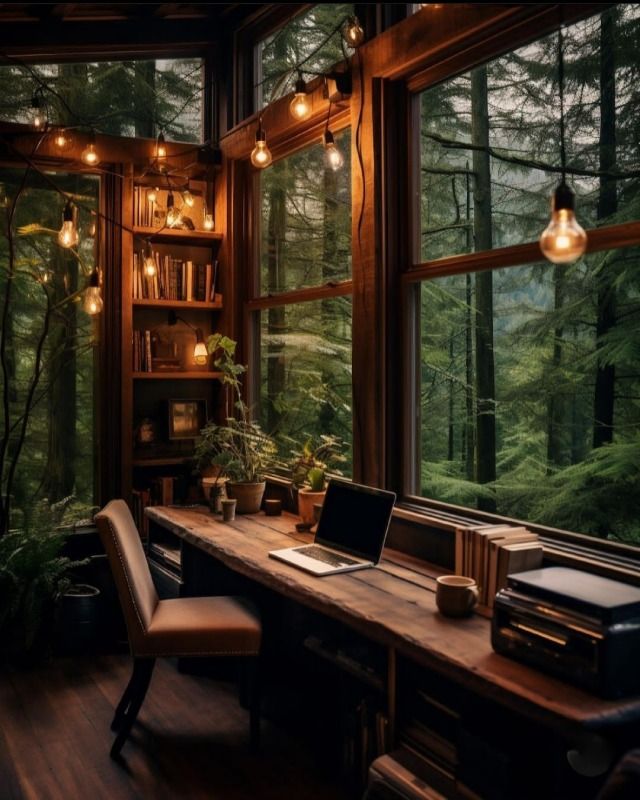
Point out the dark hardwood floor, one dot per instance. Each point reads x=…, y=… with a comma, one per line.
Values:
x=190, y=741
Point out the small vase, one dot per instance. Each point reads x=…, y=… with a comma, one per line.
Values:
x=306, y=501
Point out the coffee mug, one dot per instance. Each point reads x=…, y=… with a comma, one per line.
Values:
x=229, y=510
x=456, y=595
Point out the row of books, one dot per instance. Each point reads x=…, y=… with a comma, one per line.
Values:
x=150, y=206
x=142, y=360
x=174, y=279
x=488, y=553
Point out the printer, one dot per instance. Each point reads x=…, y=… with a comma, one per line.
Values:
x=574, y=625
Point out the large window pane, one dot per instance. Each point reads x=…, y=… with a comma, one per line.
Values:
x=566, y=412
x=57, y=453
x=312, y=37
x=305, y=373
x=306, y=220
x=511, y=105
x=123, y=98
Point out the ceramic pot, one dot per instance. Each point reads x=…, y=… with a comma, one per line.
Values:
x=306, y=500
x=248, y=495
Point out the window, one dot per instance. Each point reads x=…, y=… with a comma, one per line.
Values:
x=40, y=285
x=529, y=376
x=311, y=39
x=305, y=340
x=122, y=98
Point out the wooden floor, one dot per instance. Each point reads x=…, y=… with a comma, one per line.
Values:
x=190, y=741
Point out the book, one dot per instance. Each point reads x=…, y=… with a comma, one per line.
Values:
x=517, y=537
x=512, y=558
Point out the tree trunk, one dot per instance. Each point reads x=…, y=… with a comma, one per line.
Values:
x=555, y=403
x=485, y=369
x=144, y=110
x=469, y=432
x=604, y=397
x=276, y=321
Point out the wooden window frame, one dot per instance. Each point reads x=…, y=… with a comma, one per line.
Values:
x=612, y=554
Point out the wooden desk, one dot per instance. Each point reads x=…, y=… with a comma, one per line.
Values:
x=394, y=605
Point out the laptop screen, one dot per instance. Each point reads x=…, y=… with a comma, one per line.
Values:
x=355, y=519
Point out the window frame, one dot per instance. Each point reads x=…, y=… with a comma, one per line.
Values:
x=415, y=271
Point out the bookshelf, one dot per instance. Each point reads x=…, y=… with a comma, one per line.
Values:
x=167, y=391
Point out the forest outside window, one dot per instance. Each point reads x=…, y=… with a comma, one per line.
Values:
x=304, y=348
x=121, y=98
x=529, y=376
x=311, y=39
x=47, y=424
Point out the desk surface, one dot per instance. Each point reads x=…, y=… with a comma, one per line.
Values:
x=394, y=605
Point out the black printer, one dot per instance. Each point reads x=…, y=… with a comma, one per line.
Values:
x=574, y=625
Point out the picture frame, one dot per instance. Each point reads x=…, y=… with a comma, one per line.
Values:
x=186, y=417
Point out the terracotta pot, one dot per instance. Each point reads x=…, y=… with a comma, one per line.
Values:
x=248, y=495
x=306, y=500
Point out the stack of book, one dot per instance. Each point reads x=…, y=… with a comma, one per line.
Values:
x=142, y=360
x=175, y=279
x=488, y=553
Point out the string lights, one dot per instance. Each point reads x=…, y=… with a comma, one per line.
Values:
x=300, y=107
x=353, y=32
x=89, y=155
x=68, y=234
x=149, y=264
x=92, y=301
x=161, y=152
x=563, y=240
x=261, y=155
x=38, y=110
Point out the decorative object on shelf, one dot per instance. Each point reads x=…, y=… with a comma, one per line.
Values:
x=309, y=473
x=145, y=433
x=239, y=446
x=186, y=418
x=261, y=155
x=563, y=240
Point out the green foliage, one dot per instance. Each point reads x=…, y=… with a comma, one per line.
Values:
x=310, y=464
x=239, y=447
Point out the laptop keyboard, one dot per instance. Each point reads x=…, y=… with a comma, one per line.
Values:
x=320, y=554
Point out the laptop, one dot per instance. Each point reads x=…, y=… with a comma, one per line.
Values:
x=351, y=532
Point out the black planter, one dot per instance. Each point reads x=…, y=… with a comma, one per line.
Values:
x=78, y=619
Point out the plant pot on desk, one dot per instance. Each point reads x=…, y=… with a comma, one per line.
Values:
x=248, y=495
x=307, y=498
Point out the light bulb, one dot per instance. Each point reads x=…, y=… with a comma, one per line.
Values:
x=68, y=234
x=173, y=215
x=261, y=155
x=161, y=150
x=187, y=198
x=92, y=301
x=89, y=155
x=200, y=352
x=60, y=139
x=152, y=195
x=563, y=240
x=352, y=32
x=39, y=113
x=208, y=222
x=149, y=264
x=300, y=107
x=333, y=157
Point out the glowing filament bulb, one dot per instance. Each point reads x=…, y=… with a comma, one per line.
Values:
x=68, y=234
x=208, y=222
x=261, y=155
x=60, y=139
x=333, y=157
x=92, y=301
x=89, y=155
x=39, y=116
x=200, y=352
x=161, y=150
x=173, y=215
x=187, y=198
x=149, y=264
x=352, y=32
x=300, y=107
x=152, y=195
x=563, y=240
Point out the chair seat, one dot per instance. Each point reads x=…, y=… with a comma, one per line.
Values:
x=202, y=626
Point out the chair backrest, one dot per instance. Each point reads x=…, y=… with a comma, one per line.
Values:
x=138, y=596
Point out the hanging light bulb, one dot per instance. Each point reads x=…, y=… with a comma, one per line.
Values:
x=149, y=264
x=161, y=151
x=332, y=155
x=90, y=155
x=68, y=234
x=173, y=215
x=187, y=198
x=300, y=107
x=563, y=240
x=200, y=352
x=261, y=155
x=207, y=223
x=352, y=32
x=152, y=195
x=39, y=112
x=92, y=301
x=61, y=140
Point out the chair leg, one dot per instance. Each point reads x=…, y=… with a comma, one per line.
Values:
x=131, y=701
x=253, y=676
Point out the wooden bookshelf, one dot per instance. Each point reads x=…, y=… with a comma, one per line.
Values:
x=178, y=235
x=179, y=304
x=177, y=376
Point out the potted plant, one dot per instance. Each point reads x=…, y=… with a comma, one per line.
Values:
x=309, y=468
x=239, y=447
